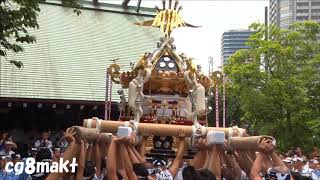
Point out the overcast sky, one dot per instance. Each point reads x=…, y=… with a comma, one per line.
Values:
x=215, y=17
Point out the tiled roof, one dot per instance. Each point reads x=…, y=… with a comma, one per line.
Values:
x=70, y=57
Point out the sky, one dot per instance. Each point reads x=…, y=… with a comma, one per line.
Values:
x=214, y=17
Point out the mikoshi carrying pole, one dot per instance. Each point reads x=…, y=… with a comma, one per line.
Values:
x=158, y=129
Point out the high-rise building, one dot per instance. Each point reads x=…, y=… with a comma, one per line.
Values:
x=285, y=12
x=232, y=41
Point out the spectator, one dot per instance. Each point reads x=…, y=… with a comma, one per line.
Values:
x=3, y=161
x=44, y=155
x=297, y=164
x=311, y=170
x=44, y=142
x=3, y=136
x=7, y=151
x=15, y=158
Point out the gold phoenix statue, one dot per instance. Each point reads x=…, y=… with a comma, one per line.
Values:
x=167, y=19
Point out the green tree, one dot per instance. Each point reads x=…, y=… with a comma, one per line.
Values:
x=16, y=17
x=276, y=82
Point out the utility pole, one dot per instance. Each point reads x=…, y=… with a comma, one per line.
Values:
x=266, y=61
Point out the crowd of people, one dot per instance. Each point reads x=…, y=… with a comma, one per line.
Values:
x=125, y=158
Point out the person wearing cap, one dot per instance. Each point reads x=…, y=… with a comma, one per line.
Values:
x=7, y=151
x=44, y=142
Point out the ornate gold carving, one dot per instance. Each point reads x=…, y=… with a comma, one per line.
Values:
x=114, y=71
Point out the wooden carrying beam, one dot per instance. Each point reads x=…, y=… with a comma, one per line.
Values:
x=247, y=143
x=90, y=135
x=155, y=129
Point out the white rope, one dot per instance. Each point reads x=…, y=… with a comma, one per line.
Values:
x=242, y=132
x=197, y=130
x=89, y=124
x=135, y=125
x=126, y=123
x=230, y=133
x=186, y=77
x=98, y=127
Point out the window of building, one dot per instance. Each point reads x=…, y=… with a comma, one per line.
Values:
x=284, y=8
x=285, y=14
x=302, y=18
x=302, y=11
x=315, y=10
x=315, y=4
x=286, y=21
x=302, y=4
x=282, y=2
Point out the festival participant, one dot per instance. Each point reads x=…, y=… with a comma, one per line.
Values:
x=237, y=172
x=199, y=159
x=5, y=136
x=44, y=155
x=214, y=164
x=183, y=164
x=15, y=158
x=62, y=143
x=44, y=141
x=297, y=164
x=81, y=161
x=115, y=162
x=141, y=172
x=189, y=173
x=3, y=161
x=278, y=170
x=68, y=154
x=205, y=174
x=288, y=162
x=171, y=172
x=56, y=153
x=7, y=150
x=311, y=170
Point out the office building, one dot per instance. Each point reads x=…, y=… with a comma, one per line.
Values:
x=285, y=12
x=232, y=41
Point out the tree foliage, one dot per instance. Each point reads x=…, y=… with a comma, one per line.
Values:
x=277, y=83
x=16, y=18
